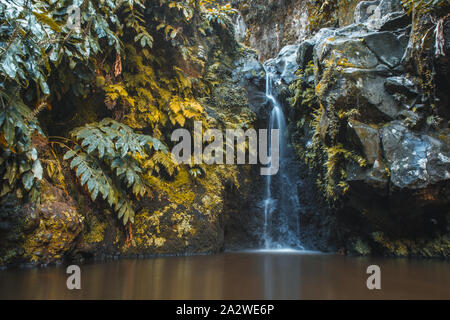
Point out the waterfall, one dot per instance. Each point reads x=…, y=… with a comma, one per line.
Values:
x=240, y=28
x=281, y=203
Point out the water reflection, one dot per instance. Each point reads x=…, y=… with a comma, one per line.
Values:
x=251, y=275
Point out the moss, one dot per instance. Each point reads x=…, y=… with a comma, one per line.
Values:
x=178, y=190
x=438, y=246
x=145, y=222
x=326, y=154
x=96, y=231
x=322, y=14
x=58, y=227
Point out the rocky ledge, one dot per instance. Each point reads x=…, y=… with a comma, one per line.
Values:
x=371, y=122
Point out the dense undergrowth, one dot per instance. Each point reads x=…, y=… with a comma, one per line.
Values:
x=105, y=89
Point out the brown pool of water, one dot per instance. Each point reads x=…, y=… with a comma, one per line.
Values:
x=246, y=275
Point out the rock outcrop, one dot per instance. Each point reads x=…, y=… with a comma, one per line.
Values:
x=273, y=24
x=374, y=121
x=39, y=234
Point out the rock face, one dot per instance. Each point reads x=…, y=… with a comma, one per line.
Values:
x=373, y=128
x=184, y=218
x=373, y=108
x=39, y=234
x=273, y=24
x=249, y=73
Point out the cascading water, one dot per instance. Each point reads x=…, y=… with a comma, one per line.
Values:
x=281, y=204
x=240, y=28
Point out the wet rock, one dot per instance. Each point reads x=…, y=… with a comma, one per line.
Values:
x=395, y=21
x=415, y=160
x=44, y=233
x=249, y=73
x=305, y=53
x=346, y=52
x=369, y=139
x=379, y=14
x=373, y=107
x=249, y=70
x=387, y=47
x=401, y=85
x=273, y=24
x=285, y=64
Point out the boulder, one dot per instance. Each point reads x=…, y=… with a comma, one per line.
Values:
x=285, y=64
x=401, y=85
x=369, y=139
x=386, y=46
x=305, y=53
x=415, y=160
x=380, y=14
x=39, y=234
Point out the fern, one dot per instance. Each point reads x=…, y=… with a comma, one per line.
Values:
x=106, y=158
x=20, y=167
x=160, y=160
x=42, y=59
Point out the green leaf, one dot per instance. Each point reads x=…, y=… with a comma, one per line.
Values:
x=84, y=178
x=69, y=155
x=75, y=162
x=117, y=144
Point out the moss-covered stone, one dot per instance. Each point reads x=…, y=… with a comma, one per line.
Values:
x=43, y=233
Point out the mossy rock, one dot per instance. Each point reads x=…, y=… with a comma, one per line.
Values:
x=43, y=233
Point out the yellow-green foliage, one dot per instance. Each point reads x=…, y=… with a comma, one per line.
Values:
x=325, y=153
x=337, y=157
x=439, y=246
x=150, y=87
x=361, y=247
x=187, y=197
x=157, y=94
x=105, y=157
x=148, y=221
x=331, y=180
x=425, y=6
x=329, y=13
x=322, y=14
x=96, y=231
x=149, y=75
x=303, y=94
x=219, y=14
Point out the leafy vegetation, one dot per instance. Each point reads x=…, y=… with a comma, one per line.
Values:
x=106, y=159
x=219, y=14
x=20, y=167
x=134, y=56
x=322, y=14
x=424, y=6
x=324, y=152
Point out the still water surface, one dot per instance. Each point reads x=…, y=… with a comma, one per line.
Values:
x=247, y=275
